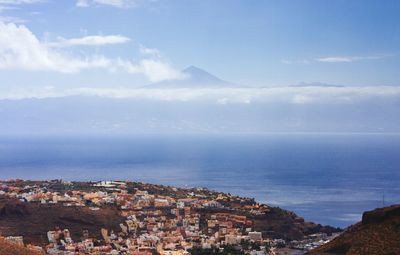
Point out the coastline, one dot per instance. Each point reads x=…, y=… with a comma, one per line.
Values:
x=207, y=212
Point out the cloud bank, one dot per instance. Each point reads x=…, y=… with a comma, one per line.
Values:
x=272, y=95
x=246, y=110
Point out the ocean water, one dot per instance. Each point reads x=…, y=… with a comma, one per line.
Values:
x=329, y=179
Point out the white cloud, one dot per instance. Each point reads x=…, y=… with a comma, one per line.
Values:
x=348, y=59
x=334, y=59
x=154, y=69
x=113, y=3
x=159, y=71
x=92, y=40
x=21, y=49
x=82, y=3
x=149, y=51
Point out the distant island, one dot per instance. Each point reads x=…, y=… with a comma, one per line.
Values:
x=120, y=217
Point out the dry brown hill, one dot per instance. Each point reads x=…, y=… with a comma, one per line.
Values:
x=33, y=220
x=377, y=233
x=7, y=248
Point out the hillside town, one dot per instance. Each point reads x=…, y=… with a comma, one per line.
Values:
x=158, y=220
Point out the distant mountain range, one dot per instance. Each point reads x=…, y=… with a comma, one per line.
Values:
x=195, y=78
x=205, y=104
x=200, y=78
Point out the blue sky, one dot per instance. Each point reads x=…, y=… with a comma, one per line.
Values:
x=130, y=43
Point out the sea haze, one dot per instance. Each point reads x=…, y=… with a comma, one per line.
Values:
x=329, y=179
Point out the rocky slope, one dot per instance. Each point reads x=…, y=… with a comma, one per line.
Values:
x=33, y=220
x=377, y=233
x=7, y=248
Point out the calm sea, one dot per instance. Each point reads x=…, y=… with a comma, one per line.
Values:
x=329, y=179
